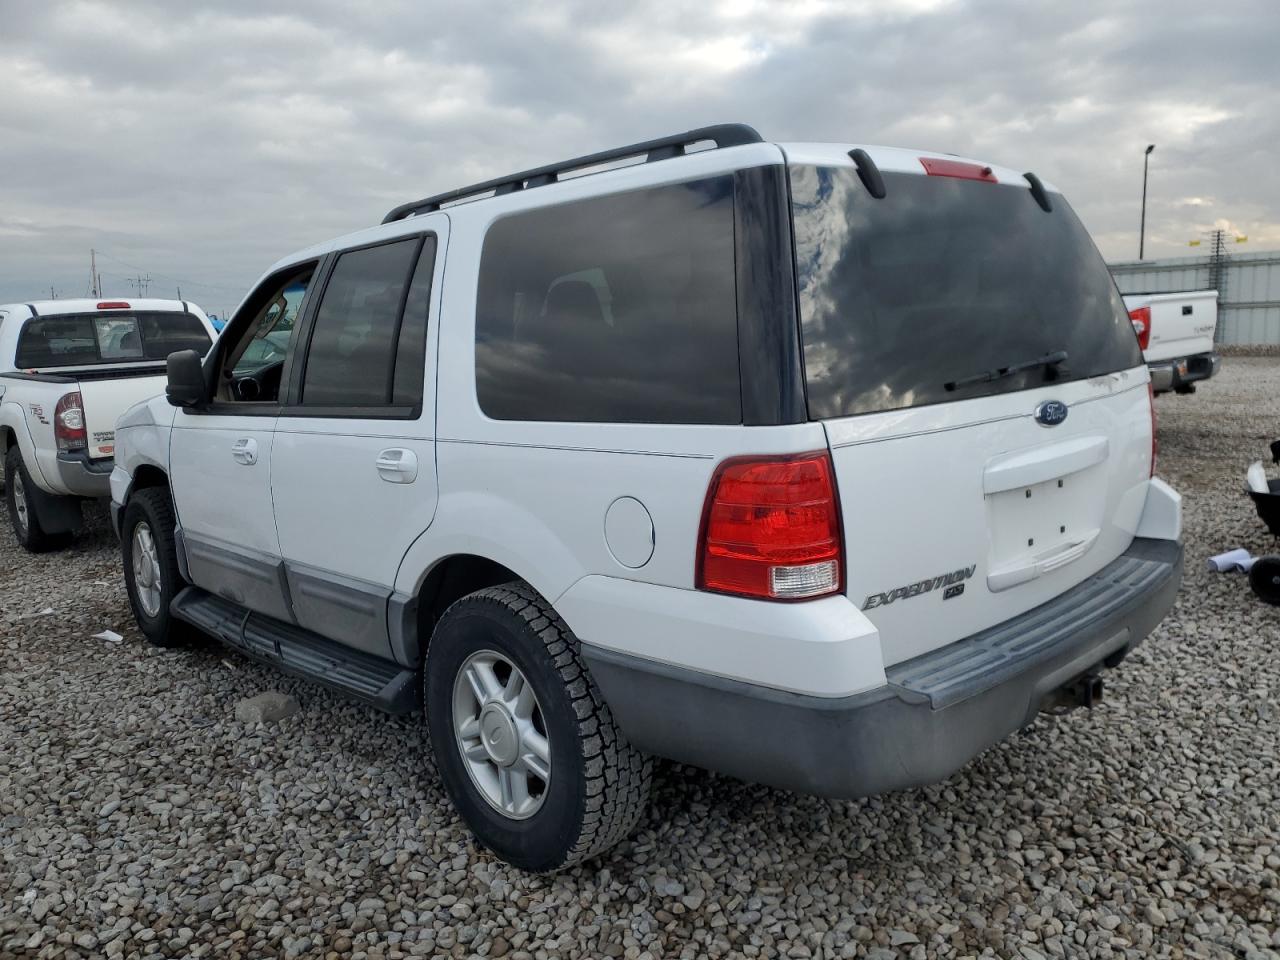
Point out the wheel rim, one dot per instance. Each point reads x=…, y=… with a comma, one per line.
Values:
x=146, y=569
x=20, y=502
x=501, y=734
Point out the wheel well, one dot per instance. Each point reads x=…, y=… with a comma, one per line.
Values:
x=450, y=581
x=7, y=439
x=148, y=476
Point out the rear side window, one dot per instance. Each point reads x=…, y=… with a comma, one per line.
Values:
x=619, y=308
x=915, y=298
x=369, y=335
x=93, y=338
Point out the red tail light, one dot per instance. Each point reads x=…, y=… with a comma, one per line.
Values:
x=1151, y=397
x=113, y=305
x=1140, y=317
x=771, y=529
x=68, y=423
x=937, y=167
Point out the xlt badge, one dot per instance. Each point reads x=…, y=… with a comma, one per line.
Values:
x=954, y=583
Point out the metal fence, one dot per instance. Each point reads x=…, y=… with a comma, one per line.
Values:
x=1248, y=287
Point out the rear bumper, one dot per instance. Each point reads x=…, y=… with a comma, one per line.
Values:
x=934, y=714
x=82, y=477
x=1167, y=375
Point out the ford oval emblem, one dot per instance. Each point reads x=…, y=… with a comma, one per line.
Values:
x=1050, y=413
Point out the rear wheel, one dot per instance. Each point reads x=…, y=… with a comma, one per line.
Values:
x=527, y=749
x=20, y=494
x=151, y=573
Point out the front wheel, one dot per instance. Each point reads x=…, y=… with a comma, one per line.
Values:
x=527, y=748
x=150, y=557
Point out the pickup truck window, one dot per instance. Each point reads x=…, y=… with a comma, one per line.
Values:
x=93, y=338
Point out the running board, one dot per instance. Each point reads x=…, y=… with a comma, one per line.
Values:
x=378, y=682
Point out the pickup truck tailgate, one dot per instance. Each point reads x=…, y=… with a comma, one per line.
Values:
x=104, y=400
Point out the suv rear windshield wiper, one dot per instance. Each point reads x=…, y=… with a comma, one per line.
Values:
x=1049, y=360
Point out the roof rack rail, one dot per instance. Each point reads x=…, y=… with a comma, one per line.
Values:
x=664, y=148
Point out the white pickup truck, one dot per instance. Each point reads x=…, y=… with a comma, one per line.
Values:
x=68, y=369
x=1175, y=332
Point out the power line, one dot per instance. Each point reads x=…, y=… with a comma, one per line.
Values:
x=164, y=276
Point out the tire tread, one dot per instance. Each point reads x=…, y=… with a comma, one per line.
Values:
x=618, y=776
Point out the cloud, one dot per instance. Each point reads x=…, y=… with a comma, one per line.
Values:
x=203, y=142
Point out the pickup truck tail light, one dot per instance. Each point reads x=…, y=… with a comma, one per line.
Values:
x=1141, y=320
x=1155, y=446
x=68, y=423
x=771, y=529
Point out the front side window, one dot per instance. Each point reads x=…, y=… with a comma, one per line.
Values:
x=93, y=338
x=352, y=358
x=923, y=296
x=620, y=308
x=253, y=366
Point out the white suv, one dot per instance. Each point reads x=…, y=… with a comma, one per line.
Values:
x=821, y=466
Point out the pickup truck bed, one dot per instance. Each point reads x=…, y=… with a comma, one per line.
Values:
x=1175, y=331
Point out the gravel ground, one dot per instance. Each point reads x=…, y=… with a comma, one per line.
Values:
x=138, y=817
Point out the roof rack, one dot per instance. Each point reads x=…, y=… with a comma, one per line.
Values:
x=664, y=148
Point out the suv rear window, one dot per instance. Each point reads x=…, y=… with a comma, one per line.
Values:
x=619, y=308
x=93, y=338
x=941, y=281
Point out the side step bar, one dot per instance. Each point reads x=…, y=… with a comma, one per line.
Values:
x=381, y=683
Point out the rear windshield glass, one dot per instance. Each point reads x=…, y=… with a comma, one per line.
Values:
x=915, y=298
x=93, y=338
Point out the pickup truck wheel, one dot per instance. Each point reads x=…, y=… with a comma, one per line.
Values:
x=151, y=566
x=22, y=514
x=527, y=748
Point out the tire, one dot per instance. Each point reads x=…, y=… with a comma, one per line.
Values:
x=597, y=784
x=19, y=496
x=155, y=580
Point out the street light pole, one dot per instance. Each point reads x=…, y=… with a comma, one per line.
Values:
x=1142, y=230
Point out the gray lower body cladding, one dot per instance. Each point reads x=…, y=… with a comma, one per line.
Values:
x=935, y=714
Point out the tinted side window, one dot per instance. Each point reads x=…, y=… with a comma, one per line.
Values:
x=351, y=357
x=412, y=347
x=617, y=309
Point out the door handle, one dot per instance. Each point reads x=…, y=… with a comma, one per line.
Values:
x=245, y=451
x=397, y=465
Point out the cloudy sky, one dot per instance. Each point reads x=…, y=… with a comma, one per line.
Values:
x=199, y=143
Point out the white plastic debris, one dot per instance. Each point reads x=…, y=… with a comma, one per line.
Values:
x=108, y=635
x=46, y=612
x=1257, y=478
x=1238, y=560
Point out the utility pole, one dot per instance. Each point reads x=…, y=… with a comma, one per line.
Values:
x=52, y=295
x=140, y=284
x=95, y=282
x=1142, y=230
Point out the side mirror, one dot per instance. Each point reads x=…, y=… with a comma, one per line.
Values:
x=186, y=379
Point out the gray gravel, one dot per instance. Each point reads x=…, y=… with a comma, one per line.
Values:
x=139, y=817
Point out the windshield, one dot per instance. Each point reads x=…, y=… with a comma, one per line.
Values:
x=88, y=339
x=911, y=299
